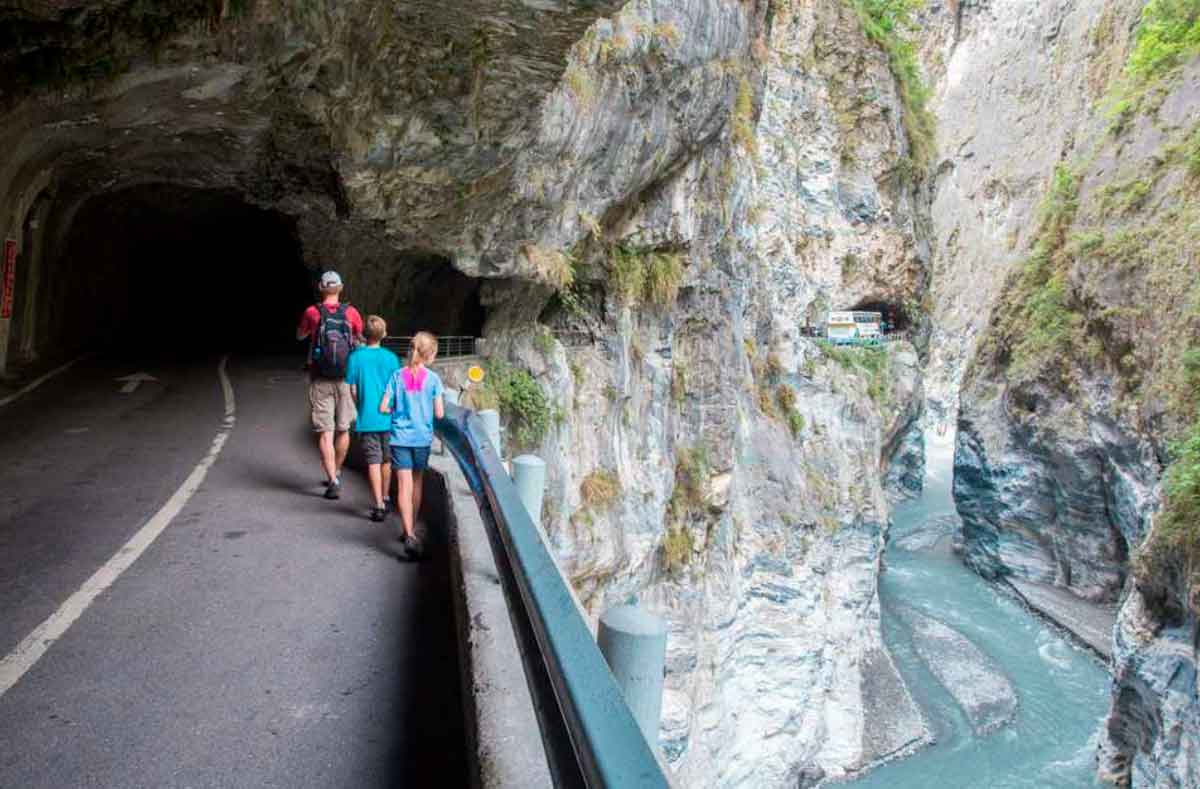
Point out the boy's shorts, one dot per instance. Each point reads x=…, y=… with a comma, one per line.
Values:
x=332, y=406
x=374, y=447
x=415, y=458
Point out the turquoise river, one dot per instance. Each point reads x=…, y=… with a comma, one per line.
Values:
x=1062, y=691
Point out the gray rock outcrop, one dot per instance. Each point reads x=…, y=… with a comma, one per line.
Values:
x=981, y=689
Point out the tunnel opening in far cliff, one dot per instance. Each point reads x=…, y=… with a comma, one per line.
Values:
x=894, y=315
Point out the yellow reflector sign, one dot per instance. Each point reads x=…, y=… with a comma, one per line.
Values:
x=474, y=373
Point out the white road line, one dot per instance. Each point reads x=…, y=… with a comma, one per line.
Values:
x=34, y=645
x=38, y=382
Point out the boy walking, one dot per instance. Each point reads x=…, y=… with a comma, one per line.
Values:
x=371, y=367
x=332, y=329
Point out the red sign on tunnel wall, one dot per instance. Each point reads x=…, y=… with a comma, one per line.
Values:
x=10, y=277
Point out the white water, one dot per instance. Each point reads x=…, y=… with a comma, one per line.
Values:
x=1062, y=691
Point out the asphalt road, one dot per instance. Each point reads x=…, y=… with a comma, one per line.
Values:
x=266, y=638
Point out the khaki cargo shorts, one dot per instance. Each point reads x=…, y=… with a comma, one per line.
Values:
x=332, y=406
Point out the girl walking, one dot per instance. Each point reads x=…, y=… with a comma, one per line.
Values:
x=414, y=398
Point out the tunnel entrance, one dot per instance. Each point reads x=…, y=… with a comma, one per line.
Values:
x=894, y=315
x=430, y=294
x=165, y=270
x=160, y=266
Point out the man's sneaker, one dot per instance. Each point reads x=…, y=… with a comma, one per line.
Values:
x=377, y=514
x=333, y=490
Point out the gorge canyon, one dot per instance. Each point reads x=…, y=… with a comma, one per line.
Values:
x=647, y=210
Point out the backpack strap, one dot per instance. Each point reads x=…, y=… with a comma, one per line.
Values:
x=316, y=332
x=344, y=312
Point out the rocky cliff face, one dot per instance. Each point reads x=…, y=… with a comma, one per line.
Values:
x=723, y=467
x=1082, y=208
x=1013, y=82
x=650, y=199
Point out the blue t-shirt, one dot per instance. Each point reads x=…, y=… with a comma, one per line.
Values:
x=369, y=370
x=411, y=393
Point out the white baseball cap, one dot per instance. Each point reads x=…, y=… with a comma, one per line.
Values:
x=330, y=279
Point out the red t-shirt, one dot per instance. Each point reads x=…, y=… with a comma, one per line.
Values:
x=310, y=319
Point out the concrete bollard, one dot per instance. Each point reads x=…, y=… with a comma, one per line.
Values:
x=491, y=426
x=634, y=642
x=529, y=474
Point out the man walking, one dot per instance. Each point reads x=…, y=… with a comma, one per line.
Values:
x=332, y=329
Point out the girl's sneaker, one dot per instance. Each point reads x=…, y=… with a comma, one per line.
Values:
x=378, y=514
x=413, y=547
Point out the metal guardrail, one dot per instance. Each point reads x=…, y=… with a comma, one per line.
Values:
x=448, y=345
x=590, y=736
x=883, y=339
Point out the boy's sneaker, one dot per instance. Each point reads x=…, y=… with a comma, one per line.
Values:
x=333, y=489
x=378, y=514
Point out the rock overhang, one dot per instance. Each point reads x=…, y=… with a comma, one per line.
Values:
x=432, y=123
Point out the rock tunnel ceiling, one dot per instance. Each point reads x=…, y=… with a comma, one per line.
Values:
x=458, y=135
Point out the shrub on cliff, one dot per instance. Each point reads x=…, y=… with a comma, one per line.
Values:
x=687, y=503
x=600, y=489
x=645, y=276
x=873, y=364
x=1170, y=558
x=519, y=399
x=890, y=24
x=1168, y=33
x=1037, y=324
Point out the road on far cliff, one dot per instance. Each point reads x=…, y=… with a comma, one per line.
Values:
x=180, y=607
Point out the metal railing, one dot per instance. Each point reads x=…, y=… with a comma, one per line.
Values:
x=882, y=339
x=590, y=736
x=448, y=345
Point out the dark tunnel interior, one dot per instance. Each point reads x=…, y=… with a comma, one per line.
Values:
x=164, y=267
x=175, y=270
x=894, y=315
x=430, y=294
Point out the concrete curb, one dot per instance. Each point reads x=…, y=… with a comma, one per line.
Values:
x=503, y=736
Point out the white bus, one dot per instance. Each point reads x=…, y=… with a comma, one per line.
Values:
x=854, y=327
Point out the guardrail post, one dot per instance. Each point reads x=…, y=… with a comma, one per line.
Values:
x=529, y=474
x=634, y=642
x=491, y=426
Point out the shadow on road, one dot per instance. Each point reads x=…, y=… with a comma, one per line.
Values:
x=434, y=751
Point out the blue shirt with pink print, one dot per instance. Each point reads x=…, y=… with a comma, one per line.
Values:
x=411, y=392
